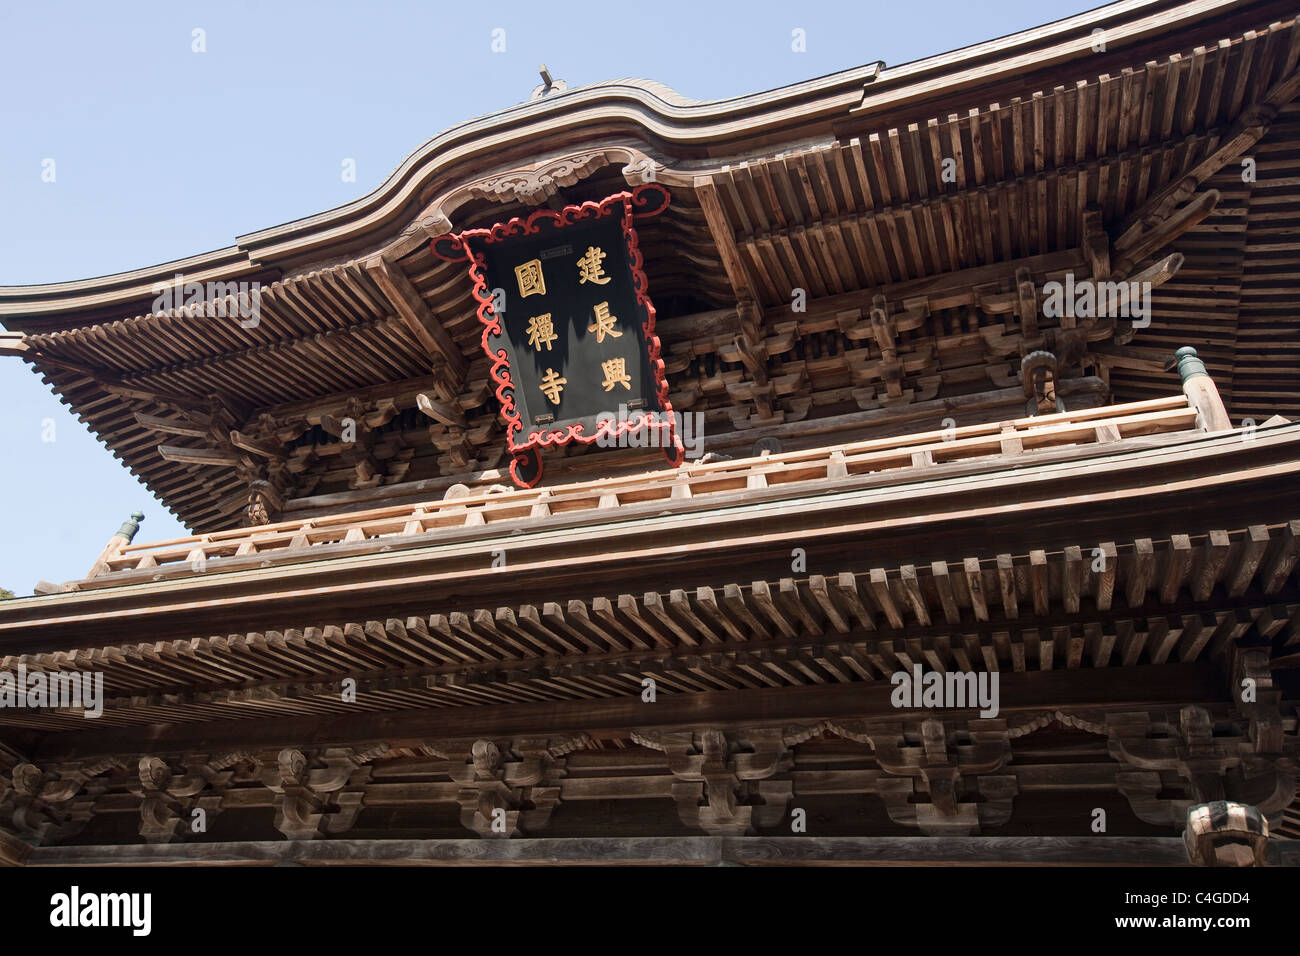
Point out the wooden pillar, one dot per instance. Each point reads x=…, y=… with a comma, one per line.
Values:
x=1201, y=392
x=116, y=543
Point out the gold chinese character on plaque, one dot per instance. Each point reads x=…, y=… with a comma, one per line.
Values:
x=541, y=331
x=531, y=281
x=590, y=269
x=616, y=374
x=552, y=385
x=604, y=323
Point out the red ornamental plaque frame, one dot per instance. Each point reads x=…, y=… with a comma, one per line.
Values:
x=642, y=202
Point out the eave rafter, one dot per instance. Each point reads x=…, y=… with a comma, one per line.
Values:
x=747, y=345
x=1217, y=596
x=406, y=301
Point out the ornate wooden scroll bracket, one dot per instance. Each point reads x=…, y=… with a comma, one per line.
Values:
x=509, y=788
x=42, y=807
x=1259, y=701
x=640, y=169
x=462, y=441
x=958, y=770
x=1213, y=765
x=255, y=452
x=172, y=803
x=540, y=183
x=724, y=781
x=319, y=795
x=534, y=185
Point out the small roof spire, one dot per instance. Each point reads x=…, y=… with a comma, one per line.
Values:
x=549, y=84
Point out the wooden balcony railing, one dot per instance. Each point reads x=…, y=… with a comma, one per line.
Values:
x=294, y=540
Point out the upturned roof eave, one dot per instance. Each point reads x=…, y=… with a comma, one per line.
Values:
x=655, y=109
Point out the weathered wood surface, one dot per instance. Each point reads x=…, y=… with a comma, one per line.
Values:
x=658, y=851
x=929, y=519
x=946, y=773
x=925, y=206
x=1168, y=685
x=1160, y=416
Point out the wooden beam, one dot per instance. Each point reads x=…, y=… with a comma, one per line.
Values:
x=198, y=456
x=1164, y=231
x=945, y=291
x=13, y=852
x=256, y=446
x=147, y=395
x=170, y=426
x=725, y=240
x=440, y=412
x=1248, y=130
x=653, y=851
x=11, y=343
x=411, y=308
x=1149, y=686
x=1095, y=244
x=400, y=393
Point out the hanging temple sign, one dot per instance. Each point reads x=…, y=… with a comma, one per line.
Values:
x=569, y=326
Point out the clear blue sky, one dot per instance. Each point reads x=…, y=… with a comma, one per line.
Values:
x=161, y=152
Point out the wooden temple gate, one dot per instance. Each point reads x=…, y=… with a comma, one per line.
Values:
x=381, y=644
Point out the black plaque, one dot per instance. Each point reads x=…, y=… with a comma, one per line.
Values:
x=569, y=326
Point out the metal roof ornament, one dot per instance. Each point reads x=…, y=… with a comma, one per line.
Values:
x=549, y=84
